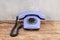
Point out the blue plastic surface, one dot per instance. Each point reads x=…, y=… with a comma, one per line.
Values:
x=31, y=26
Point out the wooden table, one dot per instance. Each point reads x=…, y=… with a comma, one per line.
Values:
x=50, y=30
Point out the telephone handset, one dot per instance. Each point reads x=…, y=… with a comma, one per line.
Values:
x=31, y=20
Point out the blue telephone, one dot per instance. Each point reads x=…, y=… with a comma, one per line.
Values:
x=31, y=20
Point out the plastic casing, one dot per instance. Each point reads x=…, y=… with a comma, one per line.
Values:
x=31, y=26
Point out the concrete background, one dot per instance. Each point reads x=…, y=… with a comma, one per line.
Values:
x=9, y=9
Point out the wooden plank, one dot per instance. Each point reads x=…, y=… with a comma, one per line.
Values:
x=50, y=30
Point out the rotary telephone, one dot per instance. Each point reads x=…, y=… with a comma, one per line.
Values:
x=31, y=20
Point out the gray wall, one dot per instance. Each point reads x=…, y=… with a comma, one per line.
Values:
x=9, y=9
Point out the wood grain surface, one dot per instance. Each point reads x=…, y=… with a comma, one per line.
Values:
x=50, y=30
